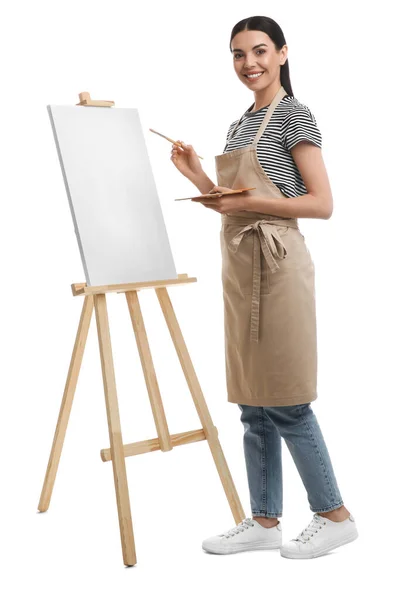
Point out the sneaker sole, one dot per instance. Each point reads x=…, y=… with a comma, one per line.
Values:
x=242, y=547
x=351, y=538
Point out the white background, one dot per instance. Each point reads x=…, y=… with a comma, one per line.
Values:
x=172, y=61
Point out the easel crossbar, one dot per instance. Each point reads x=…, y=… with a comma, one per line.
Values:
x=177, y=439
x=81, y=289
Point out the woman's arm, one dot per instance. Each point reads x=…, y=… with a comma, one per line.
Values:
x=187, y=161
x=202, y=182
x=316, y=204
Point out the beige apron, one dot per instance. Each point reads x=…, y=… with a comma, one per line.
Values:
x=268, y=291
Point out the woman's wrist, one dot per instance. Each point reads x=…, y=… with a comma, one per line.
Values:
x=202, y=182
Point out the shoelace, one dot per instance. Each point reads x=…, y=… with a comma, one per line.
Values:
x=245, y=524
x=314, y=526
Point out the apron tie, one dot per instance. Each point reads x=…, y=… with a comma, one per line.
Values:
x=268, y=240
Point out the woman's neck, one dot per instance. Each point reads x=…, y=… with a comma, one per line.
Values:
x=265, y=97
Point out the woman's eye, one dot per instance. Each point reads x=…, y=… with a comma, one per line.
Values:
x=239, y=55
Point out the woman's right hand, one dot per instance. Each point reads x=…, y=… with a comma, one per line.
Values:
x=186, y=160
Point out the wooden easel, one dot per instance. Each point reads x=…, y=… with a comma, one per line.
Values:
x=96, y=295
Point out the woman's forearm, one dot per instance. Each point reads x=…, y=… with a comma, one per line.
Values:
x=202, y=182
x=308, y=206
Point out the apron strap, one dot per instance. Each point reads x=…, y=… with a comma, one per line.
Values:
x=267, y=240
x=279, y=96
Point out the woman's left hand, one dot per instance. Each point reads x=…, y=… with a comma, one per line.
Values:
x=223, y=204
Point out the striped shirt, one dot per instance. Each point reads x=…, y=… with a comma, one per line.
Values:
x=290, y=123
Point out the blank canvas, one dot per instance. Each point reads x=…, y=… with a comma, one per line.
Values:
x=112, y=194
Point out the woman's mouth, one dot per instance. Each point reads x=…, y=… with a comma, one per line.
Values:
x=254, y=76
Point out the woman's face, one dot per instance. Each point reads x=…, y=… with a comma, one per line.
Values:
x=254, y=52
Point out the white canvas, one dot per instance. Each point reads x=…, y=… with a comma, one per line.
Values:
x=112, y=194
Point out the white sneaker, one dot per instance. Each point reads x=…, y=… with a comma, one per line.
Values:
x=319, y=537
x=247, y=535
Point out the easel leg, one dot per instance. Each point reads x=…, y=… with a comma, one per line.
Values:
x=115, y=433
x=200, y=404
x=66, y=404
x=149, y=371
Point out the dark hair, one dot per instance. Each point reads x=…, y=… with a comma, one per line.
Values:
x=274, y=31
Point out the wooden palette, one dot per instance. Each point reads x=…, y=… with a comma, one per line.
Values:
x=217, y=194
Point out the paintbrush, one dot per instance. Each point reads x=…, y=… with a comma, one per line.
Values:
x=170, y=140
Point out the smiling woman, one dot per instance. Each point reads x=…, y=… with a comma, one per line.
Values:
x=268, y=279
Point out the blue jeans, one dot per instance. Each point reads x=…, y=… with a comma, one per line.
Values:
x=263, y=428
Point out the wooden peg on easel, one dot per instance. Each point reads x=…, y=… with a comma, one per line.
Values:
x=85, y=100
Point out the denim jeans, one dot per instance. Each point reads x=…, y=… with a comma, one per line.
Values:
x=264, y=426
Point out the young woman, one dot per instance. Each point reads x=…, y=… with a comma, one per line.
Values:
x=269, y=297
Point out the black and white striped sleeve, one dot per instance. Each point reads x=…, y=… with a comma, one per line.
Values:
x=231, y=129
x=229, y=133
x=300, y=125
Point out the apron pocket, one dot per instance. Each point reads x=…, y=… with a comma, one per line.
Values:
x=236, y=266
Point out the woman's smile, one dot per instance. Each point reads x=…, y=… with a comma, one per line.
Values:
x=253, y=77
